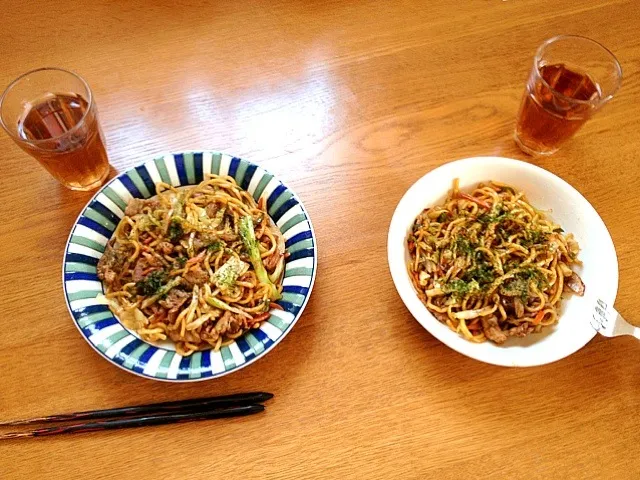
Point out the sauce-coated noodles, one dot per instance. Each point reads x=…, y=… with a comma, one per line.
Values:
x=199, y=265
x=489, y=265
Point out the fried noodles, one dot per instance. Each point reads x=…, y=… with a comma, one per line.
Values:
x=490, y=265
x=199, y=265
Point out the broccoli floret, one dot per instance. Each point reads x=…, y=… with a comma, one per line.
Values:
x=251, y=244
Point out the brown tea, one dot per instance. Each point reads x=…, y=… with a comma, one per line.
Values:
x=554, y=107
x=67, y=142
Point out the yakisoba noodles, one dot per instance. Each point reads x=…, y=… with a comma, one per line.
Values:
x=199, y=265
x=490, y=265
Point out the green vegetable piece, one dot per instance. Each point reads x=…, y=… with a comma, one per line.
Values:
x=534, y=237
x=161, y=292
x=460, y=288
x=174, y=282
x=176, y=231
x=214, y=302
x=463, y=246
x=487, y=218
x=217, y=303
x=482, y=273
x=178, y=205
x=518, y=286
x=151, y=283
x=226, y=276
x=248, y=236
x=215, y=246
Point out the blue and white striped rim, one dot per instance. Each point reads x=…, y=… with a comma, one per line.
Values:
x=97, y=222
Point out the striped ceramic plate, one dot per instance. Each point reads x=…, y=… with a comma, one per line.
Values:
x=96, y=223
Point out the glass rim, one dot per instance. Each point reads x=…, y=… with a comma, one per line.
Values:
x=42, y=141
x=551, y=40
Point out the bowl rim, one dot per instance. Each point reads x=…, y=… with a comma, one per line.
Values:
x=400, y=275
x=236, y=368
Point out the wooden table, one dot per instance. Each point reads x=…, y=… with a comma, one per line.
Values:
x=349, y=103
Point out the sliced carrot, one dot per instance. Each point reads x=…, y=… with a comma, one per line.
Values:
x=261, y=317
x=197, y=258
x=149, y=270
x=538, y=318
x=475, y=324
x=482, y=203
x=276, y=306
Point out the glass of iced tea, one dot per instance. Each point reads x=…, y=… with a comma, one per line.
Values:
x=571, y=79
x=51, y=114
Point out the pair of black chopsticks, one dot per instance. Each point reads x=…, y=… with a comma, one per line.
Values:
x=237, y=405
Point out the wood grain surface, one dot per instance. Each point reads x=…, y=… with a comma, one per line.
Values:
x=349, y=102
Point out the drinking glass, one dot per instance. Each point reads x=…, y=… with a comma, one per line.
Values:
x=51, y=114
x=572, y=78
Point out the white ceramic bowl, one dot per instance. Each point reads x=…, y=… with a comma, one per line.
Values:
x=546, y=192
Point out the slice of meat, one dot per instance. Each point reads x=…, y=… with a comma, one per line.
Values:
x=443, y=317
x=197, y=244
x=209, y=333
x=271, y=261
x=211, y=210
x=223, y=322
x=171, y=318
x=229, y=237
x=139, y=269
x=575, y=284
x=174, y=299
x=174, y=335
x=114, y=257
x=513, y=306
x=151, y=259
x=507, y=303
x=521, y=330
x=518, y=306
x=104, y=264
x=491, y=329
x=144, y=266
x=230, y=323
x=108, y=275
x=136, y=205
x=166, y=247
x=236, y=324
x=195, y=276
